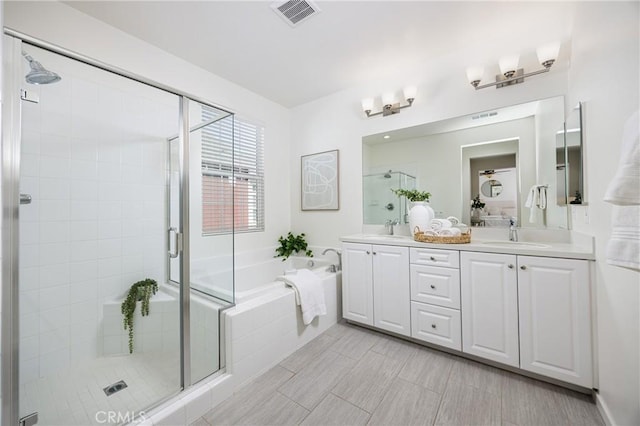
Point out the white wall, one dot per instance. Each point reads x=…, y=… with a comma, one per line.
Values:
x=73, y=30
x=604, y=74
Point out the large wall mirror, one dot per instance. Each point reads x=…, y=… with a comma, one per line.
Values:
x=496, y=156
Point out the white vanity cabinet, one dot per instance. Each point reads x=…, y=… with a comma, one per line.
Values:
x=555, y=318
x=375, y=288
x=528, y=312
x=489, y=290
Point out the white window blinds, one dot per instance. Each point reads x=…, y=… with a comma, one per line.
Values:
x=232, y=175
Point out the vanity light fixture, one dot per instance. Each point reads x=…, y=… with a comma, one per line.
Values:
x=511, y=74
x=390, y=106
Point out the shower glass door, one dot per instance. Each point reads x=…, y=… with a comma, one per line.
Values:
x=93, y=224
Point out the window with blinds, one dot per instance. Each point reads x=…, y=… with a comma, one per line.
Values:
x=232, y=175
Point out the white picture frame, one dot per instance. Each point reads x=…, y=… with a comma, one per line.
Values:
x=320, y=178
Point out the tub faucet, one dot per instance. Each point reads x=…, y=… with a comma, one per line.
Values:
x=339, y=256
x=513, y=231
x=389, y=225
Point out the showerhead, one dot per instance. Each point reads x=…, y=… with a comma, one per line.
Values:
x=387, y=175
x=38, y=73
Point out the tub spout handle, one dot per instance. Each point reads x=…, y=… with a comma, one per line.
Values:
x=337, y=252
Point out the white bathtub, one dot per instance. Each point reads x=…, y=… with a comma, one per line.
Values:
x=213, y=275
x=266, y=325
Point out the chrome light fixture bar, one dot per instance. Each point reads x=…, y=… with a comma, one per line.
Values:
x=390, y=106
x=511, y=74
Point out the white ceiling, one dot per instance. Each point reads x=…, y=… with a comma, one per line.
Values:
x=376, y=44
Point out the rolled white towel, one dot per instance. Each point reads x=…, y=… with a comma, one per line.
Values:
x=438, y=224
x=462, y=227
x=431, y=233
x=449, y=232
x=454, y=220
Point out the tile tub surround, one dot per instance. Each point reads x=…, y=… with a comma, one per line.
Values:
x=390, y=381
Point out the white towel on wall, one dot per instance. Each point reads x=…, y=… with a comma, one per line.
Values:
x=309, y=293
x=536, y=200
x=624, y=189
x=623, y=248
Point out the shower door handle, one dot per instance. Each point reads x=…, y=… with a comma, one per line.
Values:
x=25, y=199
x=176, y=242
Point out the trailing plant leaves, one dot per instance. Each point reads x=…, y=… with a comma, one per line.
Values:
x=412, y=194
x=140, y=291
x=292, y=244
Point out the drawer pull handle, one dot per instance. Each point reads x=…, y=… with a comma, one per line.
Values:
x=368, y=252
x=432, y=286
x=375, y=252
x=510, y=266
x=433, y=326
x=432, y=258
x=523, y=267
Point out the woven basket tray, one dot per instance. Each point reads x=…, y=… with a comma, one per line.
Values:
x=458, y=239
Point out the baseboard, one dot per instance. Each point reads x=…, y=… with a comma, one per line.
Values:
x=604, y=410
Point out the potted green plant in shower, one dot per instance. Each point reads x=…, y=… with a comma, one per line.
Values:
x=139, y=292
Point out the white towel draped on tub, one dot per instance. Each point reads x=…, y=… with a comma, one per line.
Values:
x=623, y=248
x=309, y=293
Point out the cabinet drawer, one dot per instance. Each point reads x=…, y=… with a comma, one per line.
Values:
x=434, y=285
x=435, y=324
x=435, y=257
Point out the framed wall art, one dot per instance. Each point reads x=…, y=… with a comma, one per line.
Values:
x=320, y=181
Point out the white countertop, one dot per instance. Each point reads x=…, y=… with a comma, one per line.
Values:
x=561, y=243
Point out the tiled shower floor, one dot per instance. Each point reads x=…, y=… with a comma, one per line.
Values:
x=75, y=397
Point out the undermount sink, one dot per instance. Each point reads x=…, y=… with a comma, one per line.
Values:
x=387, y=237
x=522, y=244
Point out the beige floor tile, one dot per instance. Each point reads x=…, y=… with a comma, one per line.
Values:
x=368, y=381
x=335, y=411
x=407, y=404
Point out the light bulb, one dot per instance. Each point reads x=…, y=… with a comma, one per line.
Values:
x=509, y=65
x=474, y=74
x=548, y=54
x=367, y=104
x=388, y=98
x=410, y=93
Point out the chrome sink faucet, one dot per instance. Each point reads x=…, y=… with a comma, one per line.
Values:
x=389, y=225
x=339, y=257
x=513, y=231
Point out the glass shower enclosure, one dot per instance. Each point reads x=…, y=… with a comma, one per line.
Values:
x=102, y=208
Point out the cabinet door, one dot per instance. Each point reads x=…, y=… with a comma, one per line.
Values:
x=490, y=306
x=357, y=284
x=391, y=295
x=555, y=319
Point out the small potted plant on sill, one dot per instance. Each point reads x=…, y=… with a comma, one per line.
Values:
x=292, y=244
x=138, y=292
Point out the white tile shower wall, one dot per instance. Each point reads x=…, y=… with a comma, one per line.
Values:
x=93, y=159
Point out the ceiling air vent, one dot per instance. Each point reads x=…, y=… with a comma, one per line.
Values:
x=295, y=11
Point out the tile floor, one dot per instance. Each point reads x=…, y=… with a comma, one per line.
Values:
x=74, y=396
x=353, y=376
